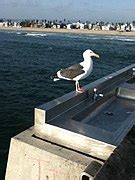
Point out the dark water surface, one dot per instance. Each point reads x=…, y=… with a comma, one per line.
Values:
x=28, y=59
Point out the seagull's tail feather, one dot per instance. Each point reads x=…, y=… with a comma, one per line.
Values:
x=55, y=77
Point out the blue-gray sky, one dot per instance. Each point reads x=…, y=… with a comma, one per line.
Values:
x=92, y=10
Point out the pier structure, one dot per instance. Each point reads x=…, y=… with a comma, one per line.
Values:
x=74, y=136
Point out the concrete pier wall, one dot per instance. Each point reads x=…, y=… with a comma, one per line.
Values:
x=34, y=159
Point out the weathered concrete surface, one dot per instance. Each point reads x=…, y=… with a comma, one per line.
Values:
x=34, y=159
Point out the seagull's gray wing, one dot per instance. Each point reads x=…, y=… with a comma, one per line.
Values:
x=72, y=71
x=75, y=66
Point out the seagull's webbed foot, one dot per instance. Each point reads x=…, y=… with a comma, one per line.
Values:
x=81, y=90
x=78, y=88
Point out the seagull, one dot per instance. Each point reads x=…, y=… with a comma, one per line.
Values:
x=78, y=71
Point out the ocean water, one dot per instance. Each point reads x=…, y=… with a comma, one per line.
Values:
x=28, y=59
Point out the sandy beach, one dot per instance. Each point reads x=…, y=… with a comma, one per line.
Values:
x=77, y=31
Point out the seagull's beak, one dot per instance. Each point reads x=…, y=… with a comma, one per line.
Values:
x=96, y=55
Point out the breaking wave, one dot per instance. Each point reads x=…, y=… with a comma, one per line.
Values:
x=120, y=38
x=127, y=39
x=36, y=34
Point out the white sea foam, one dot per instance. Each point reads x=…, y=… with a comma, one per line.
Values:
x=117, y=38
x=79, y=36
x=36, y=34
x=18, y=33
x=10, y=32
x=127, y=39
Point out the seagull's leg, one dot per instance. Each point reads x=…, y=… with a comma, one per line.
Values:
x=78, y=89
x=76, y=86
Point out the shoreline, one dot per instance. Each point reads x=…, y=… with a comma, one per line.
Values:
x=73, y=31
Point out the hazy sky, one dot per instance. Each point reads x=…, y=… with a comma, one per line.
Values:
x=92, y=10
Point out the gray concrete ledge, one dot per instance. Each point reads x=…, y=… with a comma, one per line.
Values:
x=34, y=159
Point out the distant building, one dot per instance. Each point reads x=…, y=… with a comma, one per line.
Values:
x=81, y=26
x=1, y=24
x=68, y=26
x=122, y=28
x=54, y=26
x=6, y=24
x=89, y=26
x=128, y=27
x=96, y=27
x=133, y=23
x=77, y=25
x=117, y=27
x=133, y=26
x=16, y=25
x=105, y=27
x=112, y=27
x=58, y=26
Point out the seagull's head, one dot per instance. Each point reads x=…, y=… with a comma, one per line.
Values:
x=89, y=53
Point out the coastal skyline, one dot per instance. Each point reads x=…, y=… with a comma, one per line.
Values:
x=97, y=10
